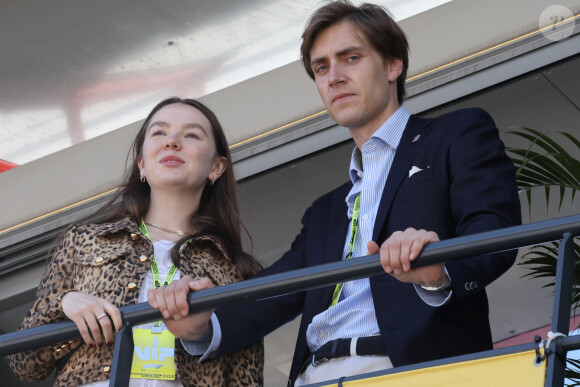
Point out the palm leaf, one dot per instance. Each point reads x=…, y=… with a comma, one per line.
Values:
x=541, y=263
x=545, y=163
x=553, y=158
x=572, y=372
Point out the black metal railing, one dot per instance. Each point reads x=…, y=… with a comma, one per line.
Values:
x=564, y=229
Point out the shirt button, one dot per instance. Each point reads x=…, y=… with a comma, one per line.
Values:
x=143, y=258
x=365, y=217
x=131, y=286
x=99, y=259
x=323, y=334
x=360, y=174
x=134, y=236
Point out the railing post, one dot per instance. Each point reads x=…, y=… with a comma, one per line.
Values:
x=561, y=312
x=122, y=357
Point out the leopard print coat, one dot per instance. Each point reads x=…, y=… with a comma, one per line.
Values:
x=110, y=260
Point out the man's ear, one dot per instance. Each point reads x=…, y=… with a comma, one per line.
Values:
x=394, y=69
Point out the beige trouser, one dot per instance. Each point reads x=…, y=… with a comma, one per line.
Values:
x=343, y=366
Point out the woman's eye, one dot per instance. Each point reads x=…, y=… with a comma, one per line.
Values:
x=157, y=133
x=191, y=135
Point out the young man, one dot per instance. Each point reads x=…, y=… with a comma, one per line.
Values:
x=449, y=175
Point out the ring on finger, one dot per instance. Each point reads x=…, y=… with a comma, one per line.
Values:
x=100, y=316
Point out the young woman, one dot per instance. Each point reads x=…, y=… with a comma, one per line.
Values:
x=178, y=215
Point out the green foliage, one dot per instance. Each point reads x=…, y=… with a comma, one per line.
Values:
x=541, y=261
x=544, y=163
x=572, y=372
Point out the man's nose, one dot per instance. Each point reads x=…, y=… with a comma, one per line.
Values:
x=335, y=75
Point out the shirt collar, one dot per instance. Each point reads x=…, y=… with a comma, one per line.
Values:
x=389, y=133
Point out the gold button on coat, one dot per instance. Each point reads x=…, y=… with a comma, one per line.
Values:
x=106, y=369
x=131, y=285
x=99, y=260
x=134, y=236
x=143, y=258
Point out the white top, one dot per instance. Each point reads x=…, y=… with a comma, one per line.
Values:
x=162, y=254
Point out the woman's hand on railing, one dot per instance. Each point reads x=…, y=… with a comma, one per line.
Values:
x=94, y=317
x=171, y=300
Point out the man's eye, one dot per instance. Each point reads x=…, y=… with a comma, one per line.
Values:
x=352, y=58
x=320, y=69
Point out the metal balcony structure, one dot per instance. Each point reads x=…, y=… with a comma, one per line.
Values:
x=562, y=229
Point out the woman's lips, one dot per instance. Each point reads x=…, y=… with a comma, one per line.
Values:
x=171, y=161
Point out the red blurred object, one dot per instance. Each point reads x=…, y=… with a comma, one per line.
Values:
x=6, y=165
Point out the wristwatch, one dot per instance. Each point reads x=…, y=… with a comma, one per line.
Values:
x=443, y=286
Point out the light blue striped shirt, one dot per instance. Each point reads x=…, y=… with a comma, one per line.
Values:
x=354, y=314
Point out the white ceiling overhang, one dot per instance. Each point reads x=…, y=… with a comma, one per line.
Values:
x=73, y=73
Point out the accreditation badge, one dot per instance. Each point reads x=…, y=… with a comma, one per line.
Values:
x=154, y=355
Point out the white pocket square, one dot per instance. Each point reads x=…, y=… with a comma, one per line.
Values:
x=414, y=170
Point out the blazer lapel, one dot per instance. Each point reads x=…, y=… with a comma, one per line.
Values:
x=401, y=164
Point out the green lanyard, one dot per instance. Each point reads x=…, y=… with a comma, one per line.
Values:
x=155, y=268
x=353, y=234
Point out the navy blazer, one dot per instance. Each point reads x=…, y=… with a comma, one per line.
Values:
x=466, y=186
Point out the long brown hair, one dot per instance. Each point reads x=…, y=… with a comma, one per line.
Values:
x=374, y=23
x=218, y=214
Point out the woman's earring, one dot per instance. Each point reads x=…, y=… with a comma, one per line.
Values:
x=143, y=179
x=211, y=181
